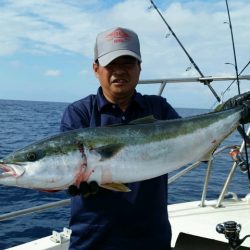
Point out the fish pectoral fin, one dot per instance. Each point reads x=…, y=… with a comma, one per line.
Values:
x=109, y=150
x=119, y=187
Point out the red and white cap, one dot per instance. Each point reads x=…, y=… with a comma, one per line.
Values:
x=114, y=43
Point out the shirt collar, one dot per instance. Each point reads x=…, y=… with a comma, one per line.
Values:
x=102, y=102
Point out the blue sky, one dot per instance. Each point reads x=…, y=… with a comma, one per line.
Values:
x=46, y=47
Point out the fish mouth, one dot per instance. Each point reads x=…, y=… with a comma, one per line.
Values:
x=10, y=170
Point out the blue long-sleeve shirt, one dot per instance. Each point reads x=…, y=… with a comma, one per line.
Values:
x=112, y=220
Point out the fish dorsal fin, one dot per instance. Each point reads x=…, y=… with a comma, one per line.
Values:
x=143, y=120
x=109, y=150
x=119, y=187
x=146, y=119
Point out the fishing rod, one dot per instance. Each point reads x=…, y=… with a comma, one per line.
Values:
x=236, y=78
x=233, y=45
x=206, y=82
x=241, y=129
x=229, y=86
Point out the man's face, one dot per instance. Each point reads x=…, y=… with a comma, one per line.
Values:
x=119, y=78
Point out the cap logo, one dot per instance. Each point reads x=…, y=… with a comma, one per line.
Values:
x=118, y=36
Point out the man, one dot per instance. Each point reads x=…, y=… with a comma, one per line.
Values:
x=108, y=219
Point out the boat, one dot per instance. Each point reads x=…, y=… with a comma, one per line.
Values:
x=202, y=224
x=220, y=223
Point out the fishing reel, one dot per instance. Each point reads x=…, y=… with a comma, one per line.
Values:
x=238, y=158
x=231, y=230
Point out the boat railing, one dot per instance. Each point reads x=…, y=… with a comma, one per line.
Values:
x=203, y=80
x=40, y=208
x=162, y=82
x=231, y=173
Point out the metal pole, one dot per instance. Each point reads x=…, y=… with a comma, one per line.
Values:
x=208, y=174
x=193, y=79
x=230, y=176
x=31, y=210
x=163, y=84
x=183, y=172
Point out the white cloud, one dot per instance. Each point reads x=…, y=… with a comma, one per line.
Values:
x=70, y=26
x=53, y=72
x=15, y=63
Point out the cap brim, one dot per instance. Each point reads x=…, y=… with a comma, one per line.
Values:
x=108, y=58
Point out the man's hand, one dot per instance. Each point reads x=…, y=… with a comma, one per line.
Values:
x=242, y=100
x=237, y=100
x=85, y=189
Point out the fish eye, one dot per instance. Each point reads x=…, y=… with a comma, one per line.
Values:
x=31, y=156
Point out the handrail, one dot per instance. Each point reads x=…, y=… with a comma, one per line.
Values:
x=205, y=186
x=31, y=210
x=194, y=79
x=230, y=175
x=183, y=172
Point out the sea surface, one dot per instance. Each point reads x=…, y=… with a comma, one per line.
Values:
x=24, y=122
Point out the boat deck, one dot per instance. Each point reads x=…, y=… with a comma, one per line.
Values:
x=200, y=222
x=193, y=227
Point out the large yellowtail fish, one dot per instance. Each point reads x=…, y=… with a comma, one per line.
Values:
x=118, y=154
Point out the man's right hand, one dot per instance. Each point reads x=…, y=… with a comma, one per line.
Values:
x=85, y=189
x=242, y=100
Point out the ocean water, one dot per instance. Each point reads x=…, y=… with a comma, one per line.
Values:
x=24, y=122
